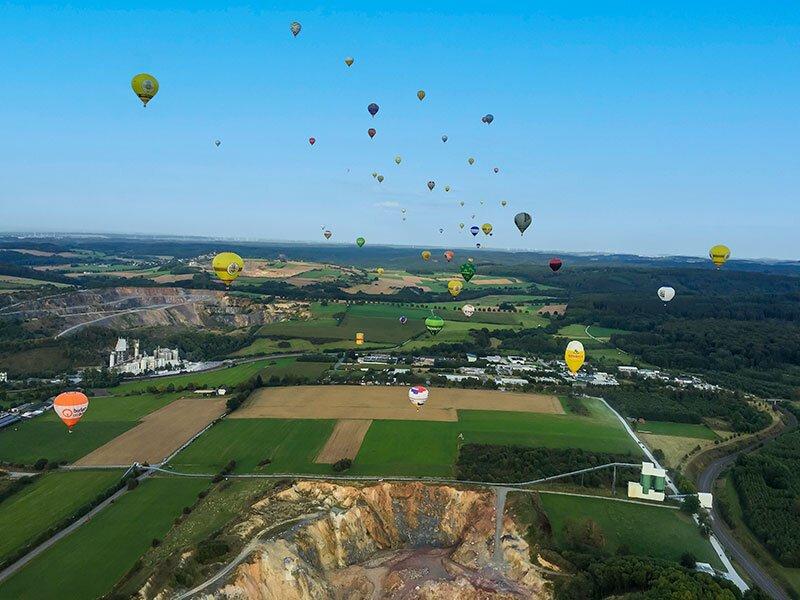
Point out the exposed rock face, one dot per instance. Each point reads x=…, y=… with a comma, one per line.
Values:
x=387, y=541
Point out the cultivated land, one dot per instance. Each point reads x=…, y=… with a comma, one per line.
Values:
x=378, y=402
x=46, y=502
x=687, y=430
x=159, y=434
x=344, y=442
x=88, y=562
x=221, y=377
x=653, y=531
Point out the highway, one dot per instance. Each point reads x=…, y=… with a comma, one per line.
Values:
x=705, y=483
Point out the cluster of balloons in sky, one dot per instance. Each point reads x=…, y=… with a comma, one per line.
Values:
x=227, y=266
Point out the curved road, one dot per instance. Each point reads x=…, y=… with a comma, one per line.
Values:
x=705, y=483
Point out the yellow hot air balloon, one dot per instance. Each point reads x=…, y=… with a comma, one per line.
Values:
x=421, y=95
x=379, y=270
x=574, y=356
x=454, y=287
x=719, y=255
x=227, y=266
x=426, y=255
x=487, y=228
x=145, y=86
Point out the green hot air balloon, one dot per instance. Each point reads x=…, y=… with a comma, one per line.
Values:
x=434, y=324
x=360, y=241
x=467, y=271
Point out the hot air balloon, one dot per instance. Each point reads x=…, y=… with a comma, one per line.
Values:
x=454, y=286
x=449, y=254
x=398, y=159
x=474, y=230
x=403, y=319
x=666, y=293
x=434, y=324
x=503, y=202
x=478, y=245
x=555, y=264
x=426, y=255
x=470, y=259
x=472, y=216
x=380, y=178
x=379, y=270
x=461, y=203
x=327, y=234
x=373, y=109
x=371, y=132
x=374, y=174
x=359, y=338
x=444, y=138
x=227, y=266
x=217, y=143
x=719, y=255
x=349, y=61
x=431, y=185
x=522, y=221
x=574, y=356
x=481, y=202
x=441, y=230
x=471, y=160
x=70, y=407
x=468, y=310
x=295, y=28
x=312, y=140
x=488, y=119
x=403, y=210
x=487, y=228
x=461, y=226
x=447, y=188
x=421, y=95
x=467, y=271
x=496, y=170
x=360, y=241
x=145, y=86
x=418, y=395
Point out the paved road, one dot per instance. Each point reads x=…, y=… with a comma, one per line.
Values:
x=705, y=483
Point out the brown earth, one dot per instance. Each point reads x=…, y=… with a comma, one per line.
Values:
x=384, y=402
x=173, y=278
x=388, y=285
x=267, y=268
x=344, y=441
x=493, y=281
x=553, y=309
x=159, y=434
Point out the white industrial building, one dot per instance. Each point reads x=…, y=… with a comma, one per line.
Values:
x=128, y=359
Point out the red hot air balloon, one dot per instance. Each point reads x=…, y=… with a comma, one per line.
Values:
x=555, y=264
x=371, y=132
x=312, y=140
x=449, y=254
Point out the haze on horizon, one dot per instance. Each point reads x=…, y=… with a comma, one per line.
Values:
x=634, y=129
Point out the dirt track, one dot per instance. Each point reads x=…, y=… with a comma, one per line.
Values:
x=159, y=434
x=374, y=402
x=344, y=441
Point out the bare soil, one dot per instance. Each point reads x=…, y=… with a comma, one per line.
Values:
x=344, y=442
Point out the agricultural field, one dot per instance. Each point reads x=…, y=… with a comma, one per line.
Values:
x=226, y=377
x=46, y=502
x=654, y=531
x=68, y=570
x=265, y=346
x=675, y=440
x=577, y=331
x=687, y=430
x=52, y=359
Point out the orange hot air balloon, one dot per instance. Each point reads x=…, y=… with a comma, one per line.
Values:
x=70, y=407
x=449, y=254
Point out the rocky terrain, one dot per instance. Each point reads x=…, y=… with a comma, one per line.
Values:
x=389, y=540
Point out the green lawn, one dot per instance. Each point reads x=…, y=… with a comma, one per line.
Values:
x=578, y=331
x=653, y=531
x=229, y=376
x=46, y=502
x=88, y=562
x=291, y=444
x=687, y=430
x=47, y=437
x=270, y=346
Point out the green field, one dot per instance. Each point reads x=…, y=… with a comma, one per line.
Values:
x=686, y=430
x=424, y=448
x=47, y=502
x=88, y=562
x=292, y=446
x=229, y=376
x=35, y=360
x=47, y=437
x=653, y=531
x=263, y=346
x=578, y=331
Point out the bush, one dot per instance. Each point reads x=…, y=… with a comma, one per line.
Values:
x=209, y=550
x=342, y=465
x=40, y=464
x=688, y=560
x=691, y=504
x=132, y=483
x=155, y=543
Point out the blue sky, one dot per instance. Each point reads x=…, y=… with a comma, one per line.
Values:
x=620, y=126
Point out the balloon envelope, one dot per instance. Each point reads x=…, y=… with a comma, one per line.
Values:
x=312, y=140
x=380, y=178
x=398, y=159
x=418, y=395
x=454, y=287
x=434, y=324
x=360, y=241
x=403, y=319
x=349, y=61
x=471, y=160
x=145, y=86
x=359, y=338
x=70, y=407
x=295, y=28
x=555, y=264
x=488, y=118
x=449, y=254
x=574, y=356
x=468, y=310
x=227, y=266
x=371, y=132
x=666, y=293
x=474, y=230
x=719, y=254
x=522, y=220
x=431, y=185
x=373, y=109
x=426, y=255
x=467, y=271
x=217, y=143
x=444, y=138
x=327, y=234
x=487, y=228
x=421, y=94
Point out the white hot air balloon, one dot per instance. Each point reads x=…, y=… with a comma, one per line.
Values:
x=468, y=310
x=666, y=293
x=418, y=395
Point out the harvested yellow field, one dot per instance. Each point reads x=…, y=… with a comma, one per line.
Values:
x=493, y=281
x=389, y=285
x=159, y=434
x=674, y=447
x=344, y=441
x=173, y=278
x=384, y=402
x=274, y=270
